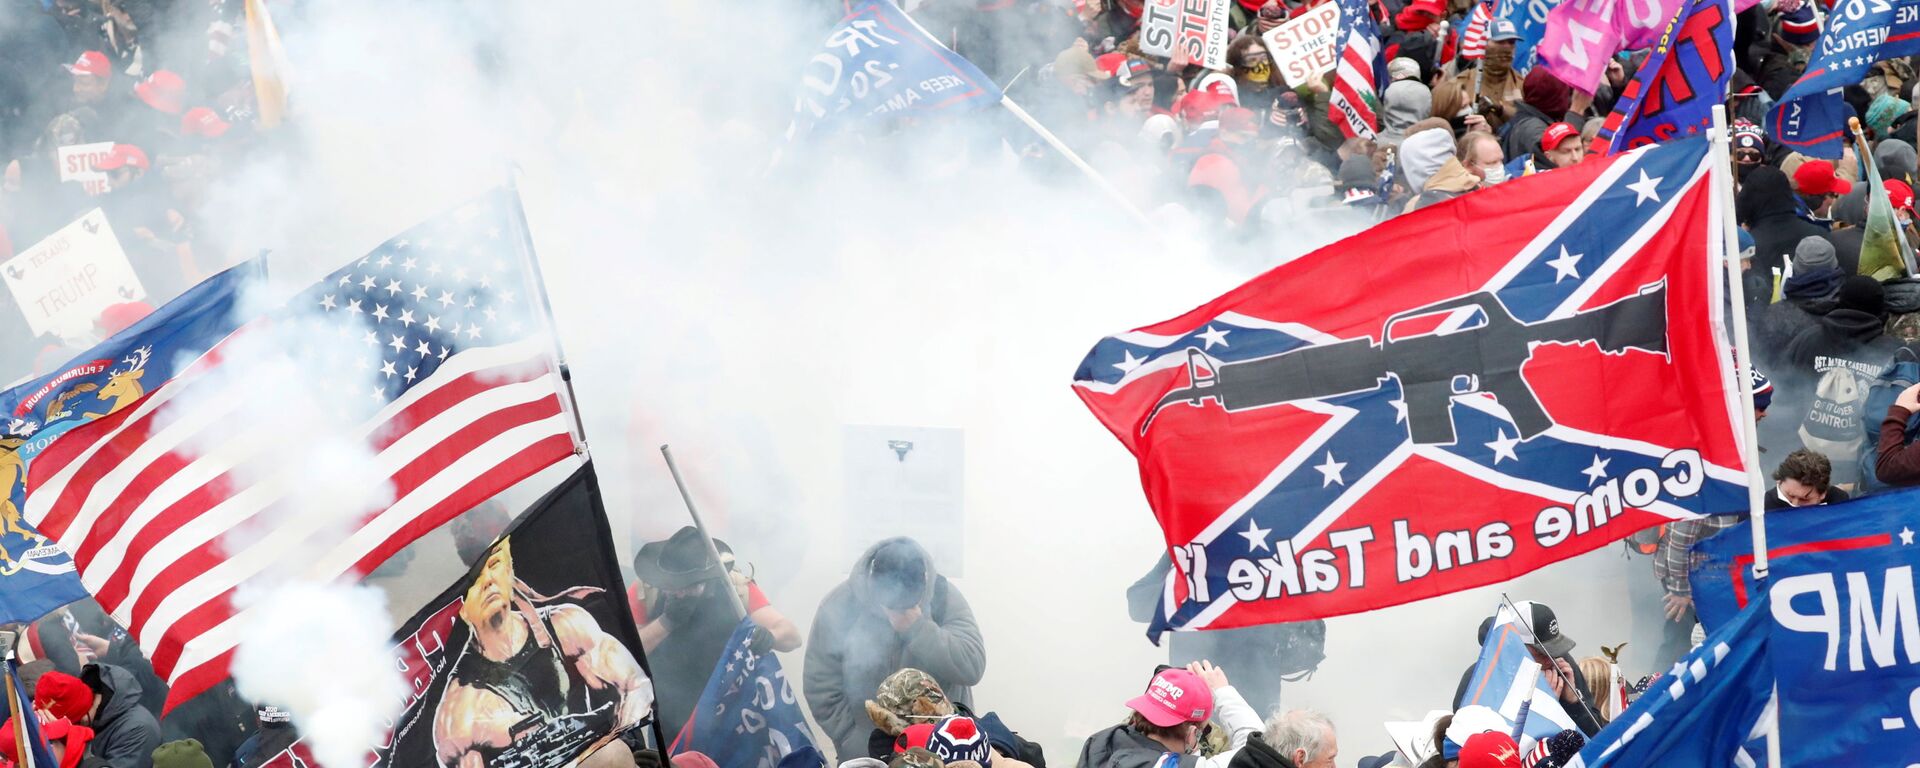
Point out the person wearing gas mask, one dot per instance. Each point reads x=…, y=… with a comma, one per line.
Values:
x=894, y=611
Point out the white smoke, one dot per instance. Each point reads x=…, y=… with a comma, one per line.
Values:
x=322, y=651
x=746, y=316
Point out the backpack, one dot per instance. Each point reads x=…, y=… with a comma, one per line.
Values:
x=1903, y=373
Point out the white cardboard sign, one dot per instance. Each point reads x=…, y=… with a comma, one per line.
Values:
x=1198, y=27
x=64, y=281
x=1306, y=47
x=77, y=164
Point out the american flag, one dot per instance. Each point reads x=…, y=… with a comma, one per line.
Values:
x=1473, y=40
x=1354, y=105
x=440, y=344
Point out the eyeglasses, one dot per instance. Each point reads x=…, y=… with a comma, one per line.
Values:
x=1747, y=156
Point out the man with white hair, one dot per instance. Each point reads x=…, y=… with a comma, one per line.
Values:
x=1303, y=738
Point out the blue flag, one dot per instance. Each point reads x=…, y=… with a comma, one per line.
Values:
x=1706, y=711
x=1508, y=680
x=1811, y=117
x=747, y=716
x=1673, y=94
x=1529, y=18
x=35, y=750
x=878, y=62
x=36, y=576
x=1845, y=634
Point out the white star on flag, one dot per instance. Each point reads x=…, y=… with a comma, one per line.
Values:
x=1255, y=535
x=1565, y=266
x=1215, y=336
x=1130, y=363
x=1330, y=471
x=1645, y=188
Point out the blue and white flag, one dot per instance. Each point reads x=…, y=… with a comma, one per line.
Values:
x=1709, y=710
x=1509, y=681
x=1529, y=18
x=35, y=748
x=1811, y=117
x=747, y=716
x=878, y=62
x=1845, y=628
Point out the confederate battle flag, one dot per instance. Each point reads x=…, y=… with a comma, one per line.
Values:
x=1452, y=398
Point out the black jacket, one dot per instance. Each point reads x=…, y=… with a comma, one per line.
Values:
x=124, y=733
x=1766, y=206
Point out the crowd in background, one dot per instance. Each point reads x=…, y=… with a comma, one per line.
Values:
x=892, y=654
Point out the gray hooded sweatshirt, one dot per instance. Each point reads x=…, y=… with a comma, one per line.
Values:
x=852, y=647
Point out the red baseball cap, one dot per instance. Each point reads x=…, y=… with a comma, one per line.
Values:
x=1237, y=119
x=1490, y=749
x=1197, y=107
x=1175, y=696
x=201, y=121
x=93, y=63
x=1816, y=177
x=1557, y=134
x=1900, y=194
x=122, y=155
x=163, y=90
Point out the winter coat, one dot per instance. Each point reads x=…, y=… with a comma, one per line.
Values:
x=1123, y=747
x=264, y=744
x=1451, y=181
x=218, y=718
x=1775, y=325
x=1766, y=206
x=1523, y=132
x=124, y=733
x=1898, y=462
x=1830, y=367
x=852, y=647
x=1259, y=754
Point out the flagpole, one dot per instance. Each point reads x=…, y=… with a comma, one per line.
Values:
x=1061, y=147
x=1722, y=161
x=16, y=718
x=530, y=263
x=733, y=598
x=1865, y=153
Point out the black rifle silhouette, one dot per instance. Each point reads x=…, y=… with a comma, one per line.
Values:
x=1432, y=368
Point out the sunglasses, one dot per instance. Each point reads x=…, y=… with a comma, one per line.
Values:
x=1747, y=156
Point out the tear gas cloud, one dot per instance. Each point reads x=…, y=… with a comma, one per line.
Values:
x=747, y=315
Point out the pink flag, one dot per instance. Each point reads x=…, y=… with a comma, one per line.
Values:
x=1582, y=34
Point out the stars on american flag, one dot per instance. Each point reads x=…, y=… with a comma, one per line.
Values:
x=419, y=300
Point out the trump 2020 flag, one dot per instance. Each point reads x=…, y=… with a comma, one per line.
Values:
x=1452, y=398
x=1509, y=681
x=1811, y=117
x=747, y=716
x=879, y=62
x=1707, y=710
x=1673, y=94
x=1844, y=632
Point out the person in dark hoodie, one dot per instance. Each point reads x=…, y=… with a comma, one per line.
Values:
x=894, y=611
x=1765, y=206
x=105, y=698
x=1544, y=100
x=1169, y=719
x=1849, y=224
x=276, y=733
x=1832, y=364
x=1805, y=297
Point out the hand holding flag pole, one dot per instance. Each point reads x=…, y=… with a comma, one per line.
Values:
x=733, y=596
x=1539, y=649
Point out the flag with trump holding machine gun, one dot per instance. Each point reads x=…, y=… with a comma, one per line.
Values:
x=1534, y=371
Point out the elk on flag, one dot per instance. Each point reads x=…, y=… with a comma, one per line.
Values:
x=446, y=376
x=1538, y=371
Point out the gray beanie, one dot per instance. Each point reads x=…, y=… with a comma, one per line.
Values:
x=1851, y=208
x=1814, y=252
x=1407, y=102
x=1896, y=159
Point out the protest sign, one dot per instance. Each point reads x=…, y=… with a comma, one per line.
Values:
x=77, y=164
x=1308, y=46
x=63, y=281
x=1197, y=27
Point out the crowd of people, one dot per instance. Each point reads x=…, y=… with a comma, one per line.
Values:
x=892, y=655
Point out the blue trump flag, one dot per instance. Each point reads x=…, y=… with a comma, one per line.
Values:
x=1845, y=629
x=747, y=716
x=36, y=576
x=1811, y=117
x=1673, y=94
x=1529, y=18
x=877, y=62
x=1508, y=680
x=1706, y=711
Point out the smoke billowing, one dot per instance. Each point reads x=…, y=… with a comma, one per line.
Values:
x=746, y=314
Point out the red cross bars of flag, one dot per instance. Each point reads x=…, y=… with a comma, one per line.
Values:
x=443, y=354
